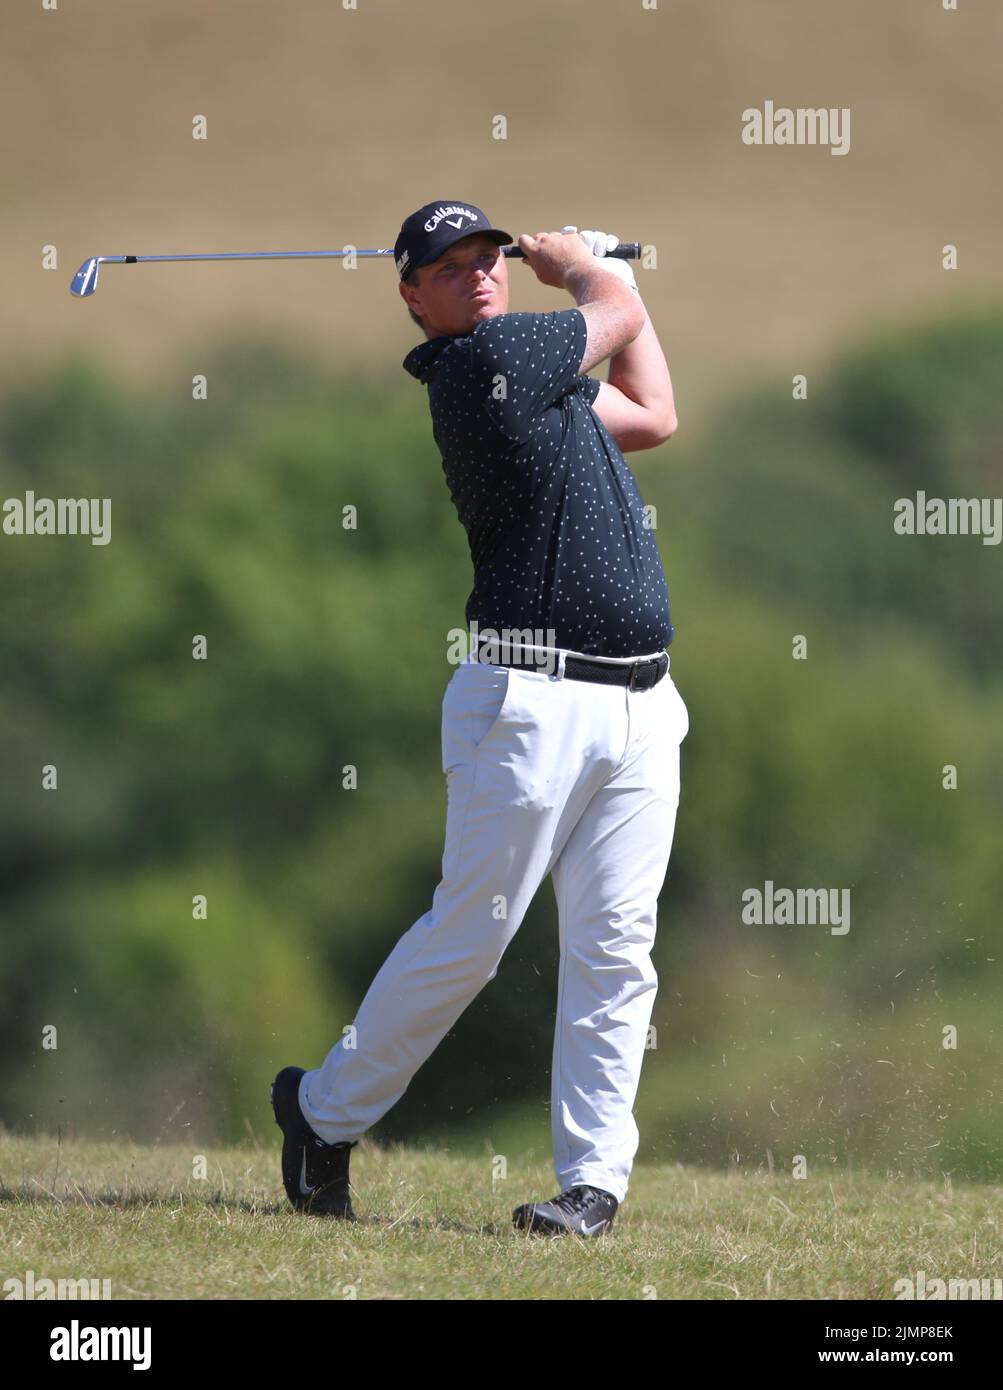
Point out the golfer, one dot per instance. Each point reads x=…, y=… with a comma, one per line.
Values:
x=561, y=727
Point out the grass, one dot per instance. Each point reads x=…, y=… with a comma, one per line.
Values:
x=433, y=1226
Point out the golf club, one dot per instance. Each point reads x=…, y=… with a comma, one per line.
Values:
x=85, y=281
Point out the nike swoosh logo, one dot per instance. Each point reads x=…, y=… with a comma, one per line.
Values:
x=304, y=1190
x=591, y=1230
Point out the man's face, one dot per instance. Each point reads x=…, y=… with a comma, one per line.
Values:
x=465, y=286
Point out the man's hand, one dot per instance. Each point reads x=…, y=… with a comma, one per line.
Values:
x=601, y=244
x=554, y=256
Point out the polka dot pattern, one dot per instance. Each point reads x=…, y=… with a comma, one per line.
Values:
x=552, y=512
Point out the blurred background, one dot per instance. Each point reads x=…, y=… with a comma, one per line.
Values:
x=326, y=646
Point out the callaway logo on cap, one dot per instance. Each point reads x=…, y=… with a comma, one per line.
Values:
x=429, y=232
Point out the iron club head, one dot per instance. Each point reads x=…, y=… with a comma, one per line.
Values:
x=85, y=281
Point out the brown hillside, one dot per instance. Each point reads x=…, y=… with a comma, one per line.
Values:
x=327, y=126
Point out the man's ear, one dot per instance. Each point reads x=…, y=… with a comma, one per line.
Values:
x=410, y=283
x=403, y=287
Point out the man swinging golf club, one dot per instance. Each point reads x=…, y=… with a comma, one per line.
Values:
x=561, y=747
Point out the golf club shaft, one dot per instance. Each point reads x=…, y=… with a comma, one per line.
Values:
x=84, y=281
x=627, y=250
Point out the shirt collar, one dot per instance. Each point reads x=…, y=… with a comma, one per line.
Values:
x=423, y=361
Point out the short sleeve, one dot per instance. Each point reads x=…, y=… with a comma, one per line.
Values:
x=522, y=363
x=590, y=388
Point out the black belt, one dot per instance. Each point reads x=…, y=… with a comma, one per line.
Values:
x=639, y=675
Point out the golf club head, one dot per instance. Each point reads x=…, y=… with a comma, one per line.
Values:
x=85, y=281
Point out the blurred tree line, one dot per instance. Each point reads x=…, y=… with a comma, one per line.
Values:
x=326, y=647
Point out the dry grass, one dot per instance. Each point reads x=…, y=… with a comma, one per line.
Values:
x=433, y=1226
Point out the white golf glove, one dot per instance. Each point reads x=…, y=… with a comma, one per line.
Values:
x=600, y=244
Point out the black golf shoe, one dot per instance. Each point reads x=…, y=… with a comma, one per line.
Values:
x=585, y=1211
x=315, y=1174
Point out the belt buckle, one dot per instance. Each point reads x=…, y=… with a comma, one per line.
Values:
x=633, y=673
x=655, y=661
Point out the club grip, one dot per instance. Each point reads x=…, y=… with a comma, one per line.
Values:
x=624, y=251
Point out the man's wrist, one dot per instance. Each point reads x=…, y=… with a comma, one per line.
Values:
x=589, y=283
x=582, y=281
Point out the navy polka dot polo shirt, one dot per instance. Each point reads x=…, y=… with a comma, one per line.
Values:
x=551, y=509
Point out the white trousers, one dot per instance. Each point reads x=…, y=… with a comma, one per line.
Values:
x=545, y=775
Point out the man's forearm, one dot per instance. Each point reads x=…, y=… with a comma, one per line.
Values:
x=641, y=372
x=612, y=311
